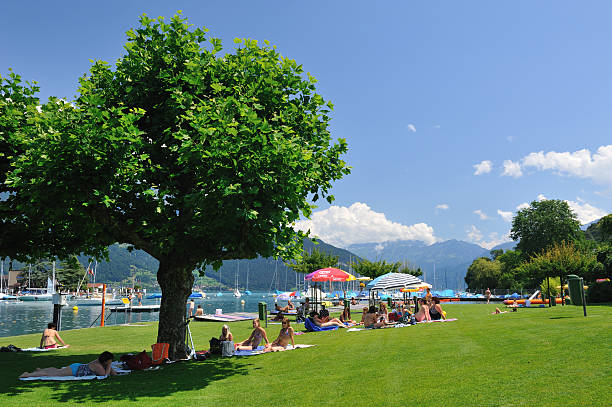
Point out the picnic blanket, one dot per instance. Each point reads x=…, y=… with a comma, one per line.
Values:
x=260, y=349
x=42, y=349
x=117, y=366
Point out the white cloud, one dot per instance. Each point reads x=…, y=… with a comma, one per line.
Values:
x=443, y=207
x=411, y=128
x=586, y=213
x=481, y=214
x=474, y=234
x=512, y=169
x=596, y=166
x=342, y=226
x=524, y=205
x=436, y=126
x=541, y=198
x=510, y=139
x=493, y=240
x=506, y=216
x=379, y=247
x=484, y=167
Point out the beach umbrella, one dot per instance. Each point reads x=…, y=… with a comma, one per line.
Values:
x=329, y=274
x=286, y=296
x=393, y=281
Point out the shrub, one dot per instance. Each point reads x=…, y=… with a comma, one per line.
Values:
x=600, y=292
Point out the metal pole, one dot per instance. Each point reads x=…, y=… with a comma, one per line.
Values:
x=548, y=289
x=103, y=304
x=583, y=296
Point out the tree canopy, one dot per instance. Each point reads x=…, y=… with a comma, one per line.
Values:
x=190, y=154
x=313, y=261
x=543, y=224
x=378, y=268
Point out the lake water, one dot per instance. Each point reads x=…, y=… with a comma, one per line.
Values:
x=19, y=318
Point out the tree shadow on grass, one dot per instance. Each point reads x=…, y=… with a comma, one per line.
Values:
x=169, y=379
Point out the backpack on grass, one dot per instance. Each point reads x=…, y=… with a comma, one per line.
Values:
x=140, y=361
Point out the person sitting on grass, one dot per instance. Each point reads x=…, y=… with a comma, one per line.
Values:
x=98, y=367
x=226, y=335
x=318, y=321
x=373, y=320
x=382, y=310
x=284, y=337
x=435, y=311
x=49, y=336
x=353, y=301
x=423, y=313
x=498, y=311
x=278, y=317
x=253, y=341
x=363, y=315
x=285, y=308
x=345, y=317
x=324, y=314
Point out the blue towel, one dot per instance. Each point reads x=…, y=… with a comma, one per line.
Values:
x=312, y=327
x=244, y=352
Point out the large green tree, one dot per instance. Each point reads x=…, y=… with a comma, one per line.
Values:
x=543, y=224
x=190, y=154
x=483, y=273
x=316, y=260
x=378, y=268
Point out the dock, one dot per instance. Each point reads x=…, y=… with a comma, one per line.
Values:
x=136, y=308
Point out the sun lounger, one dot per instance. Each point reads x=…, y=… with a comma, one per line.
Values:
x=312, y=327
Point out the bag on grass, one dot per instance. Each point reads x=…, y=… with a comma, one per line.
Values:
x=10, y=348
x=202, y=355
x=159, y=353
x=215, y=346
x=140, y=361
x=227, y=348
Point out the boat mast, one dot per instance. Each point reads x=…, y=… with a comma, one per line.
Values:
x=1, y=273
x=247, y=280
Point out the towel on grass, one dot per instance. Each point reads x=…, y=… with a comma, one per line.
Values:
x=260, y=349
x=401, y=325
x=42, y=349
x=117, y=367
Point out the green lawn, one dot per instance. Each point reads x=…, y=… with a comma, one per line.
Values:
x=535, y=357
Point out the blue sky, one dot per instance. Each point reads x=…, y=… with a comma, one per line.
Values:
x=456, y=113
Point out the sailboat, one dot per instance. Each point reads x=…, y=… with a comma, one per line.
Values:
x=236, y=291
x=41, y=294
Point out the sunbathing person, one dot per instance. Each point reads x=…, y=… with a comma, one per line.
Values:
x=435, y=311
x=373, y=320
x=278, y=317
x=49, y=336
x=282, y=309
x=98, y=367
x=226, y=335
x=254, y=339
x=423, y=314
x=199, y=311
x=318, y=321
x=382, y=310
x=498, y=311
x=290, y=304
x=353, y=301
x=284, y=337
x=345, y=317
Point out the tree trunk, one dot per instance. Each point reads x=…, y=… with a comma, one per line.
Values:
x=176, y=282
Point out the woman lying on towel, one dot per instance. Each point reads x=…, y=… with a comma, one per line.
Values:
x=98, y=367
x=318, y=321
x=423, y=314
x=49, y=336
x=255, y=339
x=284, y=337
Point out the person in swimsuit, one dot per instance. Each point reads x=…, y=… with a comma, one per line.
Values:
x=318, y=321
x=254, y=339
x=284, y=337
x=98, y=367
x=226, y=335
x=49, y=336
x=363, y=315
x=372, y=319
x=345, y=317
x=423, y=314
x=199, y=311
x=435, y=311
x=488, y=295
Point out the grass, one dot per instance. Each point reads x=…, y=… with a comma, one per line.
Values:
x=542, y=356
